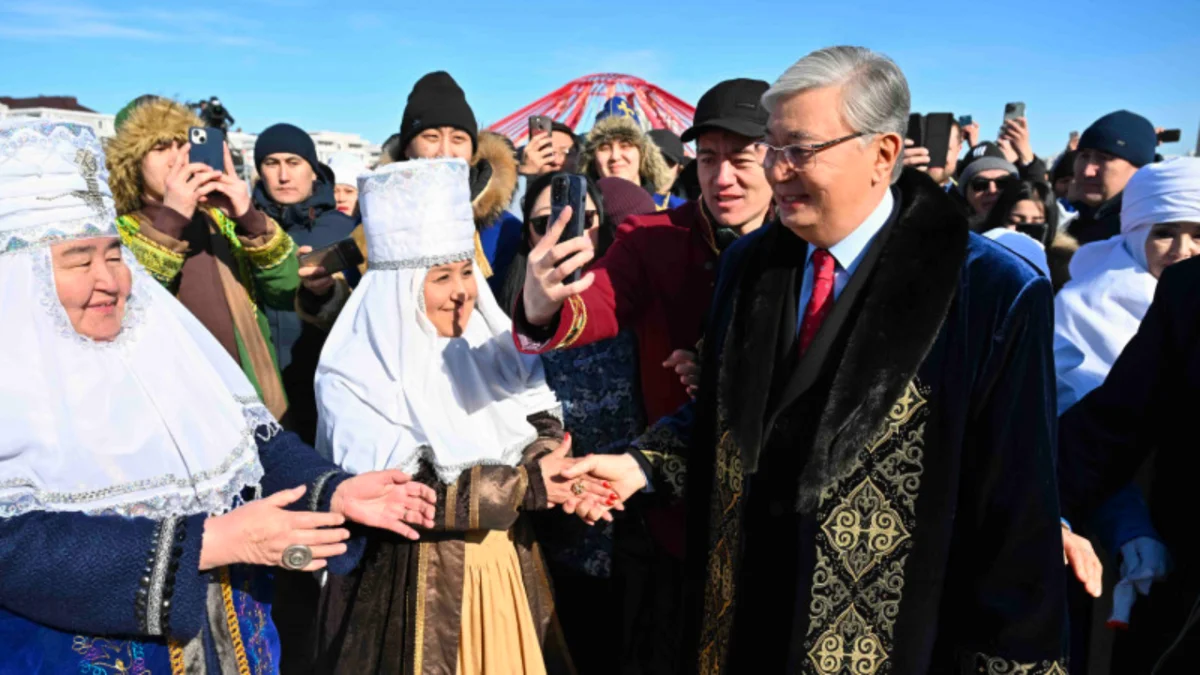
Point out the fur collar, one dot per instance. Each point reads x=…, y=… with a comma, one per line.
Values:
x=656, y=175
x=497, y=191
x=888, y=320
x=153, y=122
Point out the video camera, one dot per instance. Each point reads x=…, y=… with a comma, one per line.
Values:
x=215, y=115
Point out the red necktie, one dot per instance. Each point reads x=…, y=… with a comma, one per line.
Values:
x=822, y=297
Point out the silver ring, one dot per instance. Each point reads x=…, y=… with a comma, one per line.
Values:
x=296, y=557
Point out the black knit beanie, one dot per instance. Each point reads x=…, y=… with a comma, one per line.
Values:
x=286, y=138
x=437, y=101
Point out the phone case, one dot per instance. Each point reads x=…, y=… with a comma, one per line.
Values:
x=207, y=147
x=539, y=124
x=570, y=190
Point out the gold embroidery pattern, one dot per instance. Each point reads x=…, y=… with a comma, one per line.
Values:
x=274, y=252
x=418, y=651
x=578, y=322
x=473, y=511
x=994, y=665
x=451, y=505
x=850, y=645
x=867, y=521
x=721, y=591
x=670, y=467
x=231, y=620
x=901, y=413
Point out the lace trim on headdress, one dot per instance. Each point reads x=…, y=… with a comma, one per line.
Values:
x=135, y=305
x=12, y=241
x=424, y=262
x=179, y=496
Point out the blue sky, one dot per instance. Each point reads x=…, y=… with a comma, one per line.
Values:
x=350, y=69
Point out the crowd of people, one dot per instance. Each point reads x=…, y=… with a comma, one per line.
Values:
x=798, y=400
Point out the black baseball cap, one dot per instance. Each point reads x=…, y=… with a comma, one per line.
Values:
x=732, y=105
x=670, y=145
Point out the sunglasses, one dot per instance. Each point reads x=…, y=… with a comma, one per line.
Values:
x=540, y=223
x=981, y=184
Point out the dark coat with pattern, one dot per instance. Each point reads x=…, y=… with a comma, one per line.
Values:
x=887, y=503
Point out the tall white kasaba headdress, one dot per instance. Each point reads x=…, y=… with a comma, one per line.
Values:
x=390, y=391
x=158, y=422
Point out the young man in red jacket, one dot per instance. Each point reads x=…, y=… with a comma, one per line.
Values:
x=658, y=275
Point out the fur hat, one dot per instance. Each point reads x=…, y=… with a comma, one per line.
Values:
x=155, y=121
x=656, y=176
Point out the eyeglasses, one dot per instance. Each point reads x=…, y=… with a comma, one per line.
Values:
x=982, y=184
x=540, y=223
x=799, y=155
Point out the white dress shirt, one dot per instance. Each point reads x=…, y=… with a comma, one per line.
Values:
x=847, y=254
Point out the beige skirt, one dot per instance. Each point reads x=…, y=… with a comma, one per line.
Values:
x=498, y=636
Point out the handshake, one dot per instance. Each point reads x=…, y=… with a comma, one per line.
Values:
x=590, y=487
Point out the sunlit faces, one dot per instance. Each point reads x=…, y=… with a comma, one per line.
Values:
x=157, y=165
x=837, y=188
x=346, y=197
x=289, y=178
x=619, y=158
x=732, y=180
x=450, y=293
x=984, y=189
x=1170, y=243
x=93, y=285
x=1100, y=176
x=441, y=142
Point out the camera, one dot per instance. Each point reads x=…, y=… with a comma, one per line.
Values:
x=198, y=136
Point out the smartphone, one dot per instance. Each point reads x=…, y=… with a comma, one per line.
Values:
x=570, y=190
x=208, y=147
x=965, y=120
x=1169, y=136
x=1013, y=110
x=337, y=257
x=937, y=137
x=540, y=124
x=916, y=129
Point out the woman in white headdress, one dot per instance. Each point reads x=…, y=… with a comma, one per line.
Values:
x=1099, y=311
x=420, y=373
x=134, y=450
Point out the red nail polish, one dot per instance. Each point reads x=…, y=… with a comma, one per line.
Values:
x=606, y=485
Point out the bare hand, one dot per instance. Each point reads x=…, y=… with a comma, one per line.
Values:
x=971, y=134
x=685, y=365
x=1079, y=554
x=388, y=500
x=1016, y=132
x=259, y=532
x=187, y=184
x=230, y=192
x=315, y=278
x=1073, y=141
x=915, y=156
x=538, y=156
x=560, y=490
x=549, y=264
x=621, y=473
x=1010, y=153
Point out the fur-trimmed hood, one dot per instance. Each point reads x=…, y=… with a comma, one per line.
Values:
x=156, y=121
x=493, y=177
x=656, y=175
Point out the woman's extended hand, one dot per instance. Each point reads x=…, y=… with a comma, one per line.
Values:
x=560, y=490
x=389, y=500
x=620, y=473
x=259, y=532
x=1079, y=554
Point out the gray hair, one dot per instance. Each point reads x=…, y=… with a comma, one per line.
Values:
x=875, y=98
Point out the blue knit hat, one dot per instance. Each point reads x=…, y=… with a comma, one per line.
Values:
x=285, y=138
x=1122, y=134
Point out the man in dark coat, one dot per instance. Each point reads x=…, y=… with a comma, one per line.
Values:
x=1145, y=407
x=297, y=191
x=1110, y=152
x=869, y=473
